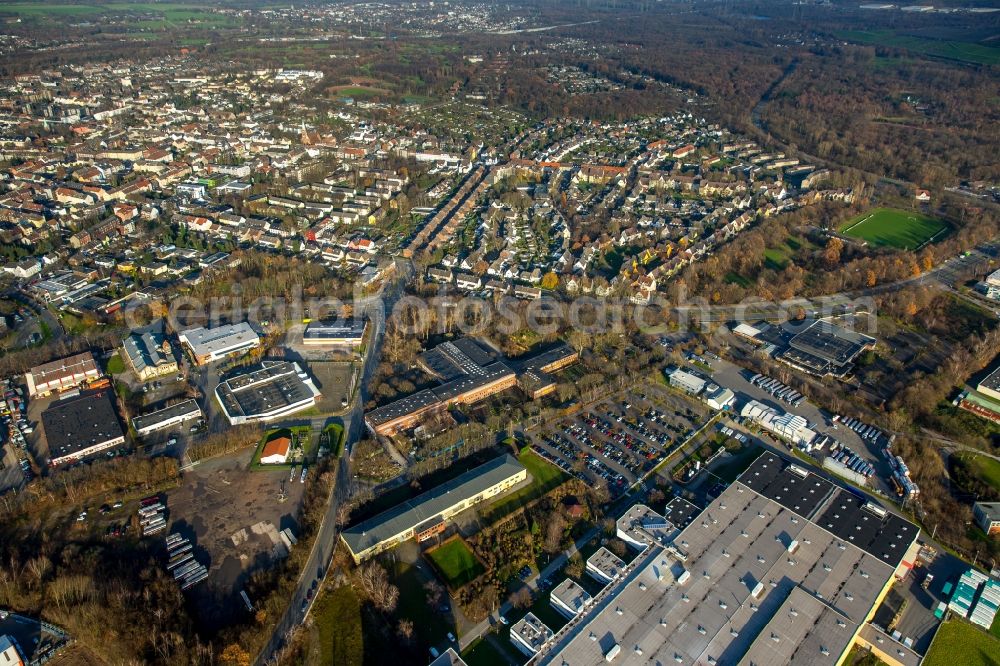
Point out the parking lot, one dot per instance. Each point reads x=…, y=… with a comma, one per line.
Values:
x=739, y=381
x=335, y=380
x=615, y=441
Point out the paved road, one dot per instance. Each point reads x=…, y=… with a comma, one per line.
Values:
x=326, y=540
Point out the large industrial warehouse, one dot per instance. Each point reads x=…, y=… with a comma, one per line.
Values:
x=783, y=567
x=80, y=426
x=268, y=391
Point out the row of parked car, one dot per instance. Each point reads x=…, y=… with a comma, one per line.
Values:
x=865, y=431
x=12, y=413
x=778, y=390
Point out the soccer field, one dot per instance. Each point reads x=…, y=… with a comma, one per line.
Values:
x=889, y=227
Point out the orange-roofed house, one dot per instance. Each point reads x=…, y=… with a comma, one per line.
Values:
x=276, y=451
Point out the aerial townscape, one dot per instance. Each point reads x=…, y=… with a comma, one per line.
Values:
x=453, y=332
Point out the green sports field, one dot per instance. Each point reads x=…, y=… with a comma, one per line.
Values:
x=889, y=227
x=456, y=562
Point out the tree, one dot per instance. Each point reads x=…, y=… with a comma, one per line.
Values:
x=405, y=631
x=435, y=592
x=575, y=566
x=554, y=531
x=235, y=655
x=550, y=280
x=376, y=586
x=521, y=598
x=834, y=248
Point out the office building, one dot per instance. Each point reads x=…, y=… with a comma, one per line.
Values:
x=168, y=417
x=791, y=427
x=569, y=598
x=987, y=516
x=149, y=355
x=529, y=634
x=604, y=566
x=686, y=381
x=335, y=334
x=208, y=345
x=470, y=371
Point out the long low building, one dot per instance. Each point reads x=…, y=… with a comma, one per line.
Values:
x=269, y=391
x=335, y=334
x=424, y=513
x=161, y=419
x=62, y=375
x=80, y=426
x=784, y=567
x=470, y=371
x=465, y=389
x=208, y=345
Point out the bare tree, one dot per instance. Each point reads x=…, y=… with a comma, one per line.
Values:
x=376, y=586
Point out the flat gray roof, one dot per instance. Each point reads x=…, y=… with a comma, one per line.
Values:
x=991, y=510
x=531, y=631
x=448, y=658
x=187, y=408
x=205, y=341
x=644, y=525
x=606, y=562
x=269, y=386
x=571, y=595
x=804, y=630
x=430, y=504
x=992, y=381
x=740, y=543
x=402, y=407
x=353, y=329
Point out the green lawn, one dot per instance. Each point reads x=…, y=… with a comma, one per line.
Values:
x=985, y=468
x=889, y=227
x=777, y=257
x=337, y=615
x=960, y=642
x=299, y=433
x=481, y=652
x=335, y=438
x=456, y=563
x=544, y=477
x=941, y=48
x=116, y=365
x=432, y=626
